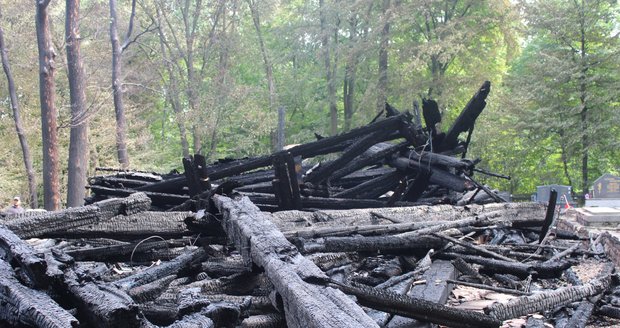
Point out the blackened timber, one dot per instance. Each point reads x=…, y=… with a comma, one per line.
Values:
x=369, y=157
x=21, y=305
x=327, y=203
x=439, y=176
x=151, y=274
x=415, y=190
x=59, y=221
x=286, y=185
x=123, y=251
x=371, y=244
x=489, y=287
x=102, y=305
x=372, y=188
x=311, y=149
x=420, y=309
x=360, y=176
x=18, y=251
x=364, y=230
x=358, y=147
x=139, y=225
x=547, y=300
x=261, y=243
x=475, y=248
x=191, y=178
x=157, y=199
x=539, y=270
x=432, y=159
x=553, y=197
x=468, y=116
x=172, y=185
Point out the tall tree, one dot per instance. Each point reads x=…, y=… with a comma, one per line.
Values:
x=32, y=183
x=186, y=34
x=329, y=37
x=450, y=42
x=78, y=139
x=271, y=83
x=47, y=94
x=572, y=57
x=117, y=80
x=382, y=84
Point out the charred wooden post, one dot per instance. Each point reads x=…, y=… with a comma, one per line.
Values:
x=261, y=242
x=196, y=175
x=285, y=184
x=21, y=305
x=468, y=116
x=553, y=197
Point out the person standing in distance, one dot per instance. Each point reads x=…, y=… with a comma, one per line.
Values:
x=16, y=207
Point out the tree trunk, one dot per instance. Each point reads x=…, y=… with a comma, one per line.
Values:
x=329, y=69
x=190, y=29
x=47, y=94
x=268, y=71
x=117, y=84
x=349, y=78
x=583, y=94
x=383, y=57
x=172, y=94
x=78, y=139
x=19, y=129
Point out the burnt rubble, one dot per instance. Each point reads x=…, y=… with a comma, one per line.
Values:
x=389, y=229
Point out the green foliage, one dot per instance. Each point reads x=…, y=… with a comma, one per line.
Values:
x=530, y=130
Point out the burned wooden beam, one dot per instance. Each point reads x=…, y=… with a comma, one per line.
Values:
x=420, y=309
x=323, y=172
x=157, y=198
x=369, y=157
x=468, y=116
x=139, y=225
x=541, y=270
x=17, y=251
x=546, y=300
x=50, y=222
x=20, y=305
x=261, y=242
x=157, y=272
x=373, y=188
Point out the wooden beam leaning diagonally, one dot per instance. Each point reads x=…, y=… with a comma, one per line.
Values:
x=261, y=242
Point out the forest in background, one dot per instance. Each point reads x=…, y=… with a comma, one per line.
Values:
x=209, y=76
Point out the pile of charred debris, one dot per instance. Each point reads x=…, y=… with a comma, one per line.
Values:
x=387, y=230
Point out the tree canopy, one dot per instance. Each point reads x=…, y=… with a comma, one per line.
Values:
x=209, y=76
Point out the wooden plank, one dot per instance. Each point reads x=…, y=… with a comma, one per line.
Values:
x=261, y=243
x=436, y=289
